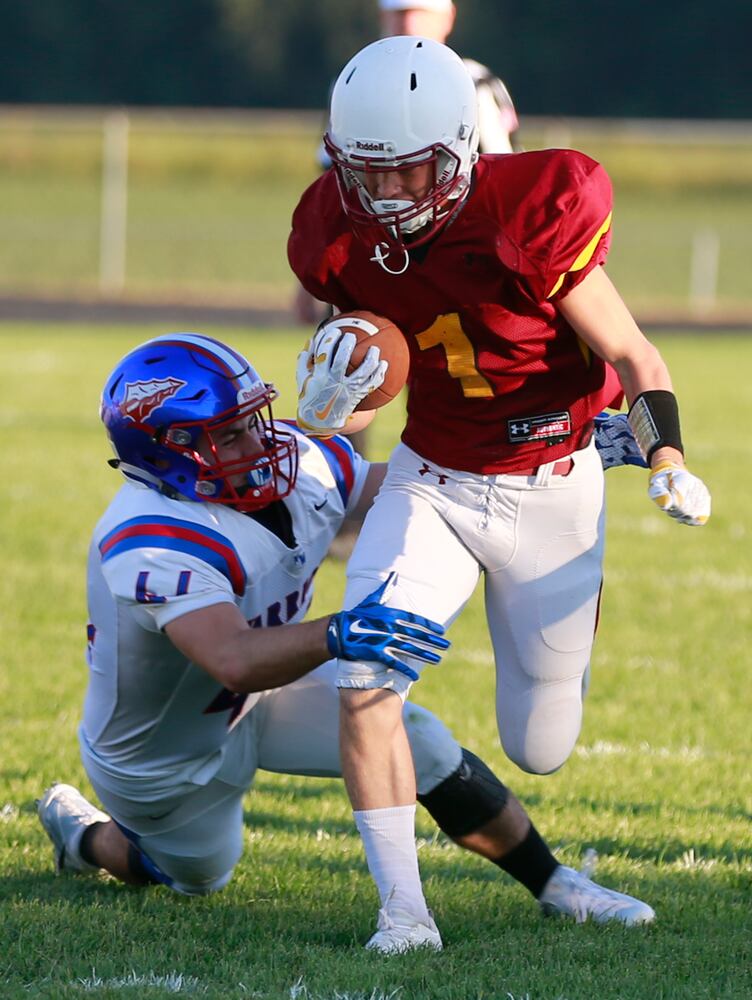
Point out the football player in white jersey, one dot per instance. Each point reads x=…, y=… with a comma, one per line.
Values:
x=202, y=669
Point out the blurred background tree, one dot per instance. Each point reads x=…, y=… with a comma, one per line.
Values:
x=621, y=59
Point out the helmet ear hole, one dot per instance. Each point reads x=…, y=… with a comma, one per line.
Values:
x=179, y=436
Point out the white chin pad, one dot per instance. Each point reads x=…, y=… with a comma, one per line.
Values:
x=393, y=207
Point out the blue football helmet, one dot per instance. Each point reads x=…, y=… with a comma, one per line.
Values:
x=169, y=397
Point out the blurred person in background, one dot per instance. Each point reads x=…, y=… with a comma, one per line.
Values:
x=497, y=118
x=497, y=125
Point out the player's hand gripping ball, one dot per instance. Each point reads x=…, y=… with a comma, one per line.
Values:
x=371, y=330
x=354, y=361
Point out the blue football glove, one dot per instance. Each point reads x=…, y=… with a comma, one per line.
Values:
x=615, y=441
x=371, y=631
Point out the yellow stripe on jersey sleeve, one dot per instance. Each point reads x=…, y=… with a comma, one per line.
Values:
x=583, y=257
x=585, y=351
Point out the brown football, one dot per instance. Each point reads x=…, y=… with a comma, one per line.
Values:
x=372, y=330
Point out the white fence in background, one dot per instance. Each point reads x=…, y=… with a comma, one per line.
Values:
x=113, y=232
x=115, y=126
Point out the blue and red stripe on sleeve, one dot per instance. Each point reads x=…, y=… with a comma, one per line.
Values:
x=340, y=457
x=178, y=536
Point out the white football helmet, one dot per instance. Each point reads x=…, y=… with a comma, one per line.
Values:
x=400, y=102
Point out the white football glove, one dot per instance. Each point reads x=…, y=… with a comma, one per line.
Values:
x=682, y=495
x=327, y=395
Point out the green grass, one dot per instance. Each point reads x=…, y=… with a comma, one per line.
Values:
x=210, y=204
x=659, y=784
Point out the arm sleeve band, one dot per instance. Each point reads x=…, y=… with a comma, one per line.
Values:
x=654, y=419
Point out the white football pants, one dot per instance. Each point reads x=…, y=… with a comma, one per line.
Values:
x=538, y=541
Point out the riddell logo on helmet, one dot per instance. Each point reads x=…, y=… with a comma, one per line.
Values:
x=248, y=395
x=370, y=145
x=142, y=398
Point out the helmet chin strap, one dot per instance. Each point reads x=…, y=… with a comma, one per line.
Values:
x=382, y=251
x=382, y=258
x=383, y=206
x=137, y=473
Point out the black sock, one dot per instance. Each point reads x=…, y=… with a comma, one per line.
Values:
x=83, y=845
x=530, y=863
x=137, y=868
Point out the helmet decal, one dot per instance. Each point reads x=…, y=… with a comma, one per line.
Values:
x=141, y=398
x=167, y=407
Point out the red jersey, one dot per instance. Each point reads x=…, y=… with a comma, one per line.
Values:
x=498, y=379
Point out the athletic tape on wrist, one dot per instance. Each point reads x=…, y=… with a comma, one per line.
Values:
x=654, y=419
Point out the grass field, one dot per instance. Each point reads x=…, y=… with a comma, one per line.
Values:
x=659, y=785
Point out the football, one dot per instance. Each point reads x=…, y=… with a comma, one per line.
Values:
x=370, y=330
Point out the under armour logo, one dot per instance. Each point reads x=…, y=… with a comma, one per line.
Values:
x=426, y=470
x=551, y=427
x=520, y=428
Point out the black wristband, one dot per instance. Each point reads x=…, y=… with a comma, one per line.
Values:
x=654, y=419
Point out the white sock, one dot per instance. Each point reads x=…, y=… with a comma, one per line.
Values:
x=389, y=840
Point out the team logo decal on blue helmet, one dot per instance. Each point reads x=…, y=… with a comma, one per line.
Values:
x=143, y=397
x=165, y=406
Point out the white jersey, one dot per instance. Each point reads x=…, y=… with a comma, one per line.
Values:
x=149, y=712
x=497, y=118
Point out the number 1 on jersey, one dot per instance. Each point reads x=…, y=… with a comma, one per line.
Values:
x=447, y=331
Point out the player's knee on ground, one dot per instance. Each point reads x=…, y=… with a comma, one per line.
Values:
x=188, y=865
x=190, y=876
x=202, y=888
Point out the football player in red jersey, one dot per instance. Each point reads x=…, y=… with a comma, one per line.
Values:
x=497, y=133
x=497, y=117
x=492, y=267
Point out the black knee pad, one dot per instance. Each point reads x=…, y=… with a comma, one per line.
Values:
x=467, y=799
